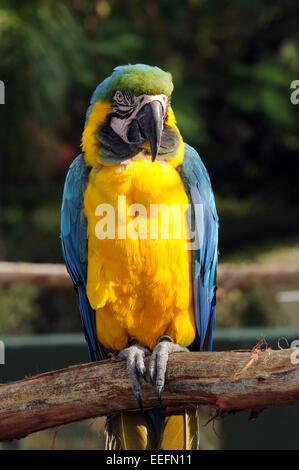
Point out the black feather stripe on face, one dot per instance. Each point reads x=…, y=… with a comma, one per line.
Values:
x=113, y=144
x=123, y=99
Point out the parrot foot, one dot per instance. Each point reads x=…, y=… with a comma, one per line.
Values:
x=134, y=356
x=158, y=362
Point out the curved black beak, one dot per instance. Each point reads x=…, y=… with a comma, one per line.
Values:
x=150, y=120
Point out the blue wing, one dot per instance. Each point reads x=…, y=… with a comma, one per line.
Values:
x=204, y=257
x=74, y=247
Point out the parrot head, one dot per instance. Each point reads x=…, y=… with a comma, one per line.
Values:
x=129, y=115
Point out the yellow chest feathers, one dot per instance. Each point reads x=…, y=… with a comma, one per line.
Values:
x=138, y=264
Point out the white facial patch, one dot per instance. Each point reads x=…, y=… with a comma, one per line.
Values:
x=120, y=126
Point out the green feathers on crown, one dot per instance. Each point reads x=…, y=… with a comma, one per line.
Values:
x=137, y=79
x=142, y=79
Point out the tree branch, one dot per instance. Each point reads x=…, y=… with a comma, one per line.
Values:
x=228, y=381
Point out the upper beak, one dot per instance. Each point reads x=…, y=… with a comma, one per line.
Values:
x=150, y=120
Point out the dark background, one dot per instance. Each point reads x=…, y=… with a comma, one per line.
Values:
x=232, y=65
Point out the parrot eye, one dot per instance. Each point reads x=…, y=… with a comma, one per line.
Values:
x=123, y=98
x=119, y=97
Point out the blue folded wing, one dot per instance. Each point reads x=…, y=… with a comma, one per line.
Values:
x=205, y=253
x=74, y=247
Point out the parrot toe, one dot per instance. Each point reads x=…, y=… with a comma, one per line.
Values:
x=134, y=355
x=158, y=362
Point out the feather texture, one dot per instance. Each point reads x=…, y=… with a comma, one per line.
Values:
x=135, y=431
x=140, y=285
x=74, y=247
x=204, y=259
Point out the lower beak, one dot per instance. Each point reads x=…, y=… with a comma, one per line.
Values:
x=150, y=120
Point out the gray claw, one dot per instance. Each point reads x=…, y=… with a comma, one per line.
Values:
x=158, y=362
x=134, y=356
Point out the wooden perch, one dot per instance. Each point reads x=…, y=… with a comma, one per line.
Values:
x=229, y=276
x=228, y=381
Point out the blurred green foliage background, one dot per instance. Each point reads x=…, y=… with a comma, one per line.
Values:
x=232, y=64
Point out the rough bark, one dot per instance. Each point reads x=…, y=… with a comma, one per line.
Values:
x=228, y=381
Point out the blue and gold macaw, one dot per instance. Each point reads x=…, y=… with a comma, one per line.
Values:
x=141, y=292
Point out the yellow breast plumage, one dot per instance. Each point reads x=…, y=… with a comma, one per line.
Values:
x=139, y=276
